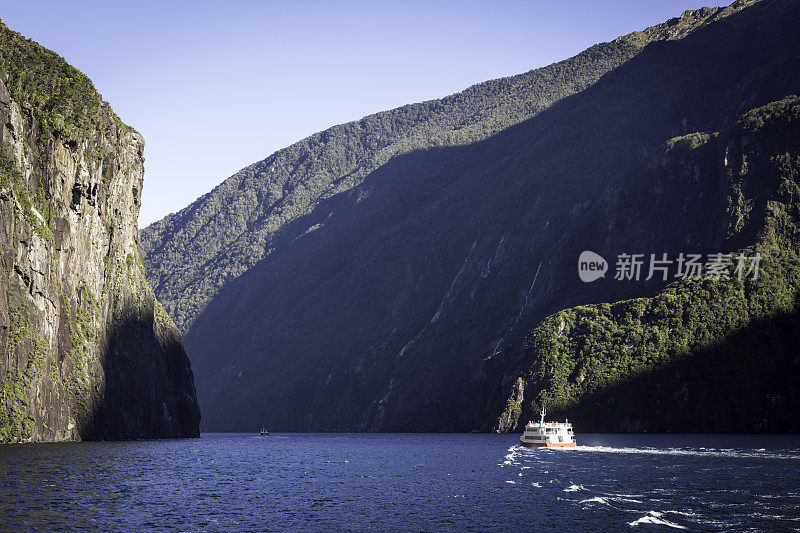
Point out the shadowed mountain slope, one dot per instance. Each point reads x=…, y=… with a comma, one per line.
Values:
x=191, y=254
x=399, y=303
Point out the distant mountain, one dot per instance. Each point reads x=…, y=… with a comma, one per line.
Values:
x=333, y=287
x=87, y=351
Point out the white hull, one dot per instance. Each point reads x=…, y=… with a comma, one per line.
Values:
x=548, y=435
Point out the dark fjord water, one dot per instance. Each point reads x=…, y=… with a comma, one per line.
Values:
x=406, y=482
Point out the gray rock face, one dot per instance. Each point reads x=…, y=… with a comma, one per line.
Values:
x=86, y=352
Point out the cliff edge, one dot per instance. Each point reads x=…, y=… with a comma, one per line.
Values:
x=86, y=352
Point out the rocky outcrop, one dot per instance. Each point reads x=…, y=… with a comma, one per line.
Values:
x=86, y=352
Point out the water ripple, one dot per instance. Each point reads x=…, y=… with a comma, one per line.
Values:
x=401, y=482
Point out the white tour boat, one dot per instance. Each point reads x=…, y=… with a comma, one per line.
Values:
x=543, y=434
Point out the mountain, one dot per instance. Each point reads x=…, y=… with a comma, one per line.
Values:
x=88, y=353
x=332, y=287
x=192, y=254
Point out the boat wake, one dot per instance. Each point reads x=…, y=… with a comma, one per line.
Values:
x=511, y=457
x=655, y=518
x=574, y=476
x=760, y=453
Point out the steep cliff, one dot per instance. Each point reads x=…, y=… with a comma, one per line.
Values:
x=86, y=351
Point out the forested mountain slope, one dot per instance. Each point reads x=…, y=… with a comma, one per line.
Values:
x=399, y=303
x=709, y=354
x=191, y=254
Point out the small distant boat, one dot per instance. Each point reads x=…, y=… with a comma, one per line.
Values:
x=264, y=432
x=543, y=434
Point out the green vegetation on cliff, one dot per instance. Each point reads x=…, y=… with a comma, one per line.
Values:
x=62, y=98
x=15, y=422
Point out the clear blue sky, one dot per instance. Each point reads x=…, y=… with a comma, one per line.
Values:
x=215, y=86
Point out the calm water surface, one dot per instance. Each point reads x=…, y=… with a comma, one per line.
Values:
x=404, y=482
